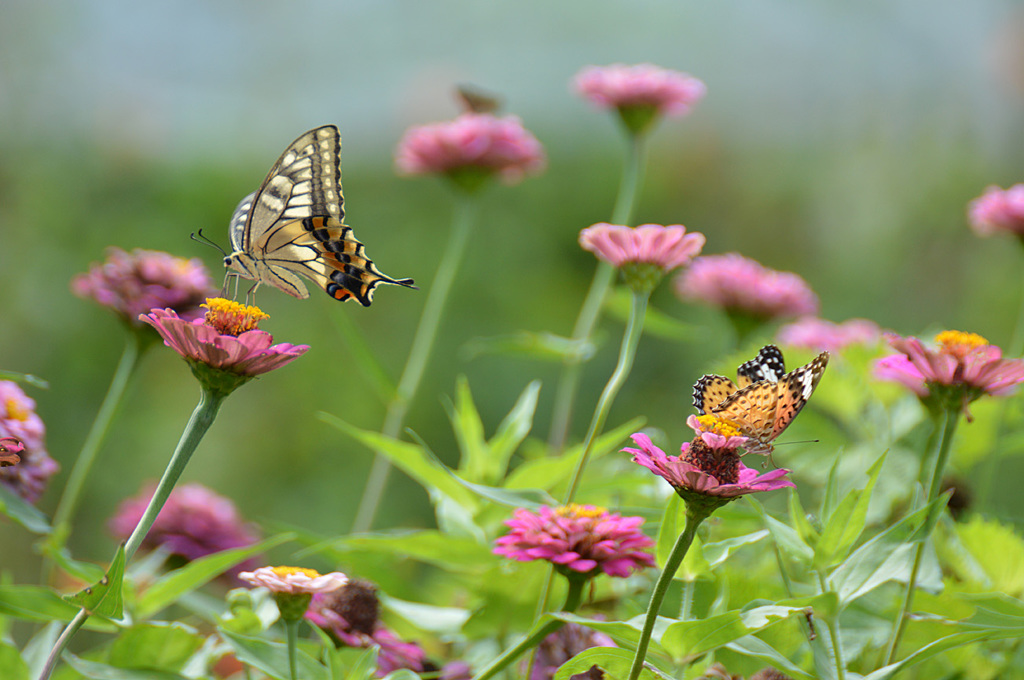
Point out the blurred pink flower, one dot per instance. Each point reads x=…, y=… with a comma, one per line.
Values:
x=194, y=522
x=564, y=644
x=667, y=247
x=134, y=283
x=579, y=538
x=18, y=419
x=350, y=616
x=639, y=93
x=470, y=149
x=898, y=368
x=739, y=284
x=294, y=580
x=818, y=335
x=10, y=448
x=998, y=210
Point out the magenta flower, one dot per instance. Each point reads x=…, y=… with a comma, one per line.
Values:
x=134, y=283
x=583, y=539
x=898, y=368
x=639, y=93
x=564, y=644
x=470, y=149
x=818, y=335
x=350, y=616
x=18, y=420
x=193, y=523
x=998, y=210
x=741, y=285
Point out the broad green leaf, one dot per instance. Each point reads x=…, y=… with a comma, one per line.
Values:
x=536, y=345
x=995, y=612
x=999, y=550
x=104, y=598
x=272, y=657
x=514, y=428
x=927, y=652
x=35, y=603
x=474, y=462
x=623, y=632
x=427, y=545
x=845, y=525
x=688, y=639
x=798, y=516
x=786, y=538
x=12, y=667
x=615, y=663
x=22, y=512
x=718, y=552
x=156, y=646
x=433, y=475
x=197, y=573
x=431, y=618
x=756, y=648
x=957, y=558
x=101, y=671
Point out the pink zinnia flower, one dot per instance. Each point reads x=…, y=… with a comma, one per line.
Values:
x=294, y=580
x=134, y=283
x=666, y=247
x=964, y=367
x=470, y=149
x=194, y=522
x=819, y=335
x=998, y=210
x=577, y=538
x=741, y=285
x=564, y=644
x=18, y=420
x=350, y=616
x=639, y=93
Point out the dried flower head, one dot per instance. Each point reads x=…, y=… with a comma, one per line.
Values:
x=639, y=93
x=134, y=283
x=643, y=254
x=470, y=149
x=998, y=210
x=577, y=539
x=19, y=421
x=818, y=335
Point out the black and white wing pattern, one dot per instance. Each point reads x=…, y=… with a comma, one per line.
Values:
x=293, y=226
x=711, y=390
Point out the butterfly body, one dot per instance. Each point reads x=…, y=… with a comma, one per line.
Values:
x=764, y=400
x=292, y=227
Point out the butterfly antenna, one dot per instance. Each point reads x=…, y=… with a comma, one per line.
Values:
x=205, y=240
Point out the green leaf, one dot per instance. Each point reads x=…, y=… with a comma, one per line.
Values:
x=402, y=674
x=536, y=345
x=12, y=667
x=26, y=378
x=689, y=639
x=433, y=475
x=101, y=671
x=22, y=512
x=35, y=603
x=104, y=598
x=718, y=552
x=197, y=573
x=845, y=525
x=786, y=538
x=514, y=428
x=998, y=549
x=427, y=617
x=272, y=657
x=798, y=516
x=623, y=632
x=756, y=648
x=449, y=552
x=156, y=646
x=474, y=463
x=347, y=663
x=615, y=662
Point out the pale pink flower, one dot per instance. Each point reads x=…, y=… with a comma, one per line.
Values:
x=667, y=247
x=739, y=284
x=818, y=335
x=619, y=86
x=19, y=420
x=471, y=148
x=580, y=538
x=710, y=430
x=998, y=210
x=134, y=283
x=294, y=580
x=564, y=644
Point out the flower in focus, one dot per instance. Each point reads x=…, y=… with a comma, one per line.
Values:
x=998, y=210
x=564, y=644
x=225, y=349
x=577, y=539
x=193, y=523
x=134, y=283
x=640, y=93
x=10, y=447
x=643, y=254
x=350, y=616
x=818, y=335
x=961, y=369
x=740, y=285
x=19, y=421
x=293, y=588
x=470, y=149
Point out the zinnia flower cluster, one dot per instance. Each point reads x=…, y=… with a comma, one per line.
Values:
x=133, y=283
x=640, y=93
x=819, y=335
x=19, y=420
x=998, y=210
x=193, y=523
x=643, y=254
x=580, y=539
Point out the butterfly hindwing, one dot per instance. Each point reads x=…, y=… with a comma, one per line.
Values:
x=710, y=391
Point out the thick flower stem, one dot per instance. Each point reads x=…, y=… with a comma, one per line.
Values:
x=422, y=343
x=675, y=558
x=292, y=632
x=950, y=421
x=604, y=276
x=572, y=601
x=202, y=417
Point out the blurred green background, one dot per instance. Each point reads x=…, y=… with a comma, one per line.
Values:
x=841, y=141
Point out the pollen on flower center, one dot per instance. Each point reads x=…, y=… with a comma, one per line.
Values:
x=953, y=340
x=290, y=571
x=576, y=510
x=232, y=318
x=15, y=411
x=712, y=423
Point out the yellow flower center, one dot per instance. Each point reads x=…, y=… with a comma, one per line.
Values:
x=289, y=571
x=712, y=423
x=576, y=510
x=15, y=411
x=232, y=318
x=958, y=343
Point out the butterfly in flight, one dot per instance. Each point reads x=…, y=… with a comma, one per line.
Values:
x=764, y=400
x=293, y=226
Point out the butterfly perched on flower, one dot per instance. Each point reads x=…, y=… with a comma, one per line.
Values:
x=764, y=400
x=292, y=226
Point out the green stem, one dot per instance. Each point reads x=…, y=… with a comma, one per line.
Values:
x=833, y=632
x=675, y=558
x=422, y=343
x=540, y=631
x=292, y=632
x=202, y=417
x=604, y=276
x=1017, y=342
x=951, y=419
x=686, y=608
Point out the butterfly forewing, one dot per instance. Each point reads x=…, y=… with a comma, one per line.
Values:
x=794, y=391
x=767, y=365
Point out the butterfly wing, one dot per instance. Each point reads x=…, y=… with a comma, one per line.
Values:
x=751, y=410
x=767, y=365
x=710, y=391
x=795, y=389
x=239, y=218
